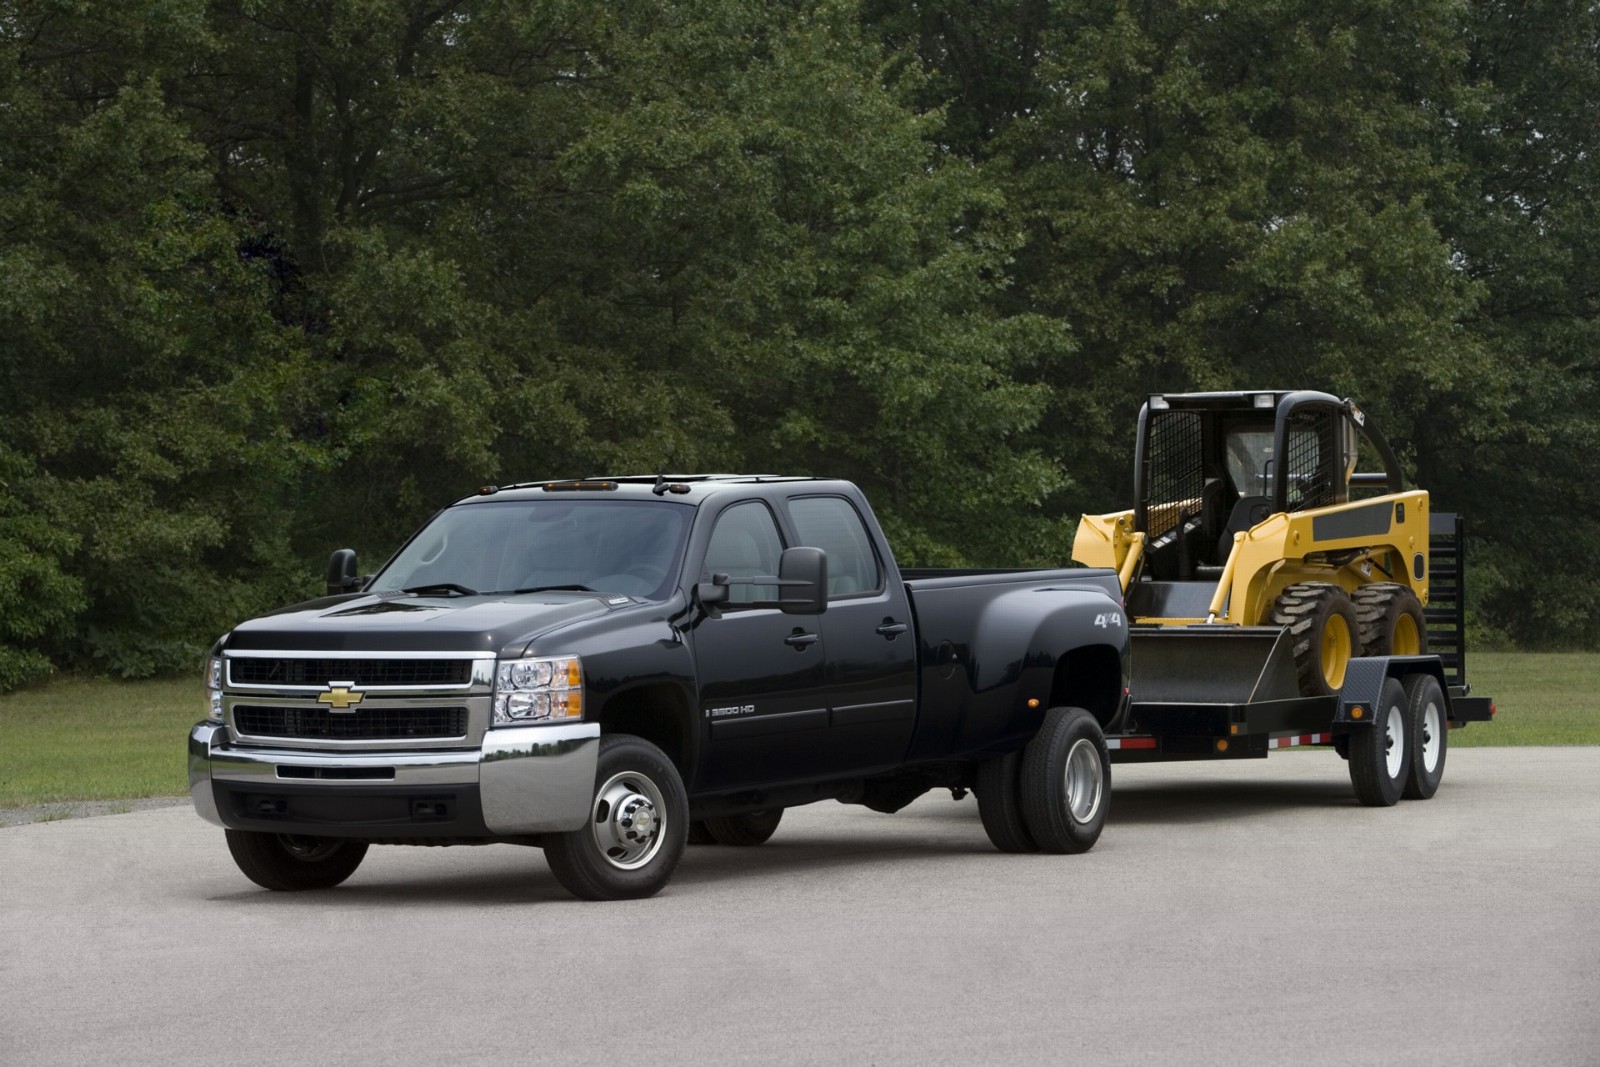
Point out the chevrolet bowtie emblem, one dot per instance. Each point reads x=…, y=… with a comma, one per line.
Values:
x=340, y=697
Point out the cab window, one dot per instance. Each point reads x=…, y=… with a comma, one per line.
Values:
x=832, y=524
x=745, y=544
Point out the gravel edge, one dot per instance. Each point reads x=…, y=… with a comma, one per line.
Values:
x=83, y=809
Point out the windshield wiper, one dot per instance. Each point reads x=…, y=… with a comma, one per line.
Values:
x=441, y=587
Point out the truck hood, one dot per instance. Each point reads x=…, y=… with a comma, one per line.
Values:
x=390, y=623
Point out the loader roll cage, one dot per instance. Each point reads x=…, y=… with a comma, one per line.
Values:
x=1182, y=468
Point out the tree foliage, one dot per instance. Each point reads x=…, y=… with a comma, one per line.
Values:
x=288, y=274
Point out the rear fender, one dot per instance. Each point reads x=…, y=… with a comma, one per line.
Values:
x=1022, y=661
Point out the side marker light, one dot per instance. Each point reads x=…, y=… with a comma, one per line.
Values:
x=1356, y=713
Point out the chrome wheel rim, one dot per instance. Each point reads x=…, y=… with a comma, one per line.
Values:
x=1394, y=742
x=1432, y=737
x=1083, y=780
x=626, y=820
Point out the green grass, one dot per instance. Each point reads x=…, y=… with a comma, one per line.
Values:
x=1543, y=699
x=103, y=740
x=96, y=740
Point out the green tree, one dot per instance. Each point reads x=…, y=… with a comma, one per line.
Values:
x=1515, y=452
x=138, y=369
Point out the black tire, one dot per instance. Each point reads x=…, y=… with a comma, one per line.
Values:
x=1391, y=620
x=751, y=828
x=1379, y=765
x=1322, y=623
x=699, y=835
x=1000, y=803
x=1066, y=782
x=292, y=862
x=1428, y=719
x=638, y=825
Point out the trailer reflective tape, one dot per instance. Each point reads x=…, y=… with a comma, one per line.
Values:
x=1130, y=742
x=1303, y=739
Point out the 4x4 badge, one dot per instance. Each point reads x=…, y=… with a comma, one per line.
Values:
x=340, y=697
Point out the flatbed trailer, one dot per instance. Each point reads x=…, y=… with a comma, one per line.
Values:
x=1210, y=691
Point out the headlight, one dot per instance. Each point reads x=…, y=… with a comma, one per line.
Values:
x=538, y=691
x=214, y=689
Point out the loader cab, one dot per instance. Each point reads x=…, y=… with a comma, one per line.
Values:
x=1209, y=465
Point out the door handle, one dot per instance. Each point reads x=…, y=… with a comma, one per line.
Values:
x=801, y=641
x=892, y=629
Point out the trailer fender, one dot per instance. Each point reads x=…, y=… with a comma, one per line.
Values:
x=1363, y=683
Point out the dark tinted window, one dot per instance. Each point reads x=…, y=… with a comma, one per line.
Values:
x=745, y=544
x=833, y=525
x=617, y=546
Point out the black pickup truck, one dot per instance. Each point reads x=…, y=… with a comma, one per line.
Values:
x=611, y=668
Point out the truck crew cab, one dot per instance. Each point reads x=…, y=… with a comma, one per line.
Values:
x=607, y=668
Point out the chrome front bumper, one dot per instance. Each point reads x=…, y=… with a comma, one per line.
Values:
x=531, y=779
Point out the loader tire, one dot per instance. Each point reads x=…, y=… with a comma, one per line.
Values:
x=1322, y=623
x=1391, y=620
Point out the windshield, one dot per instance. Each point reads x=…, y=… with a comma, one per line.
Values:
x=1251, y=462
x=609, y=546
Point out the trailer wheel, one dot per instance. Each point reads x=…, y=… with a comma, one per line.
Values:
x=997, y=787
x=292, y=862
x=1066, y=782
x=1430, y=735
x=750, y=828
x=1322, y=624
x=1378, y=764
x=1391, y=620
x=638, y=821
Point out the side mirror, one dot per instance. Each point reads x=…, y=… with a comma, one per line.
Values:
x=712, y=595
x=803, y=581
x=342, y=571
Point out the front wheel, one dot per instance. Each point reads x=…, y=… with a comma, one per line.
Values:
x=1378, y=763
x=1066, y=782
x=638, y=823
x=292, y=862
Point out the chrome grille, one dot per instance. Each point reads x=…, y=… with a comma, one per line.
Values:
x=362, y=724
x=251, y=670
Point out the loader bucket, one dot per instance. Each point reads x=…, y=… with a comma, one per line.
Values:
x=1212, y=665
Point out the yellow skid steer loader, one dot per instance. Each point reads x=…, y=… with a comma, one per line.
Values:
x=1250, y=511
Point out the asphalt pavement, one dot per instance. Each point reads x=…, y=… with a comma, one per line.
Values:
x=1237, y=913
